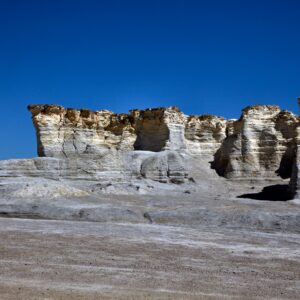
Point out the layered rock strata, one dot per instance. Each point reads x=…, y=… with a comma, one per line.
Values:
x=103, y=144
x=260, y=144
x=159, y=144
x=63, y=132
x=204, y=134
x=294, y=186
x=166, y=166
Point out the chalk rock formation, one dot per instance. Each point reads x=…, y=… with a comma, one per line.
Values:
x=165, y=166
x=261, y=144
x=159, y=129
x=294, y=186
x=65, y=132
x=98, y=145
x=258, y=145
x=204, y=134
x=160, y=144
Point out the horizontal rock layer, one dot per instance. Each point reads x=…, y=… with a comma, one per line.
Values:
x=166, y=166
x=261, y=144
x=294, y=186
x=68, y=132
x=162, y=145
x=63, y=132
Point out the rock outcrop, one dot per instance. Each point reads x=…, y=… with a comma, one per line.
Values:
x=204, y=134
x=260, y=144
x=294, y=186
x=101, y=144
x=64, y=133
x=161, y=144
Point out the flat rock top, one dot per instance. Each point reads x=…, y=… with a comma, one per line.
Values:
x=57, y=109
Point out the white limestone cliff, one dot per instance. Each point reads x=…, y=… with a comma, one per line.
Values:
x=204, y=134
x=261, y=144
x=159, y=144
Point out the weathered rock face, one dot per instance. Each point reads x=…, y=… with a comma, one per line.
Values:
x=204, y=134
x=156, y=143
x=294, y=186
x=65, y=132
x=159, y=129
x=260, y=144
x=166, y=166
x=97, y=145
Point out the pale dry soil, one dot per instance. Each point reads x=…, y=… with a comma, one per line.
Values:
x=56, y=259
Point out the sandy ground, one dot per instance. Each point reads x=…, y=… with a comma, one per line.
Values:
x=50, y=259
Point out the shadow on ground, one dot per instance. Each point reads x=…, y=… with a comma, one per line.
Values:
x=277, y=192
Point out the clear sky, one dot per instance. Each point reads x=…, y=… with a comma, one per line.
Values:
x=208, y=56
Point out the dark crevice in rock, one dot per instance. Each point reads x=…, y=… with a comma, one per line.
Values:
x=287, y=162
x=152, y=135
x=221, y=162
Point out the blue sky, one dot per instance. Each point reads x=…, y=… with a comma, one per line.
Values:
x=204, y=56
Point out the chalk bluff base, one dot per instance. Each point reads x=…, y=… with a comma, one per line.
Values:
x=161, y=145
